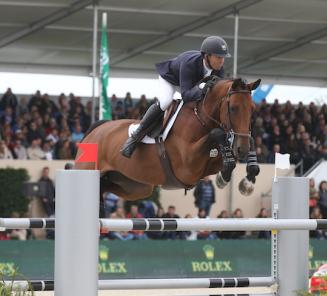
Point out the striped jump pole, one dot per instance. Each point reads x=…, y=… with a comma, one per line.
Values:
x=195, y=224
x=182, y=283
x=77, y=233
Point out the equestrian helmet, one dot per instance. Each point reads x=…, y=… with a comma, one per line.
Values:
x=215, y=45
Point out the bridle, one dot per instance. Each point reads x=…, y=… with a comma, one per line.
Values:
x=227, y=128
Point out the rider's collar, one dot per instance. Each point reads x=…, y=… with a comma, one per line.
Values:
x=207, y=70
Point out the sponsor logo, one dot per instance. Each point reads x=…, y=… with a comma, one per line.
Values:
x=210, y=264
x=106, y=266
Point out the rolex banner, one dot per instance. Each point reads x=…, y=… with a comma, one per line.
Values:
x=105, y=106
x=34, y=259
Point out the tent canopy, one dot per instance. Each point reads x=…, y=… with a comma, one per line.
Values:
x=282, y=41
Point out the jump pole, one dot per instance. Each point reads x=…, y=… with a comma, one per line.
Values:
x=77, y=233
x=290, y=248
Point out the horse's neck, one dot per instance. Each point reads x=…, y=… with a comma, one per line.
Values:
x=187, y=125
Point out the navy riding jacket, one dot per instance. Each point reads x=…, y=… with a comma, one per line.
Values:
x=186, y=70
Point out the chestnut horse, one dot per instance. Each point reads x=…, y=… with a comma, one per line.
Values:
x=227, y=105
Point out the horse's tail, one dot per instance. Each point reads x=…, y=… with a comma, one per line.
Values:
x=94, y=126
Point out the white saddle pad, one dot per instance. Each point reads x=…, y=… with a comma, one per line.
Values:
x=149, y=140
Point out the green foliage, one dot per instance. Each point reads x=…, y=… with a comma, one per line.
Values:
x=11, y=195
x=9, y=290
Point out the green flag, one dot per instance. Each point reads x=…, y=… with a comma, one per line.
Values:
x=105, y=106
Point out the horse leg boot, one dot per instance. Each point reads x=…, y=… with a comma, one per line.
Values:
x=246, y=186
x=153, y=114
x=225, y=150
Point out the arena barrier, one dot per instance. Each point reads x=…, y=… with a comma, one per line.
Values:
x=77, y=234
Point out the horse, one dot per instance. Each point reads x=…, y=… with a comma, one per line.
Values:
x=191, y=145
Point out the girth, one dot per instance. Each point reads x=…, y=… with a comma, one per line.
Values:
x=171, y=180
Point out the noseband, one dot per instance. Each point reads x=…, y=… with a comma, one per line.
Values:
x=227, y=128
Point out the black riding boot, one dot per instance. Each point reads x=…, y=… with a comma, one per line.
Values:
x=153, y=114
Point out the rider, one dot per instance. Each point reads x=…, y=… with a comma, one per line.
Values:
x=182, y=73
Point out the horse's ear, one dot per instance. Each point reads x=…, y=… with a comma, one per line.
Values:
x=254, y=85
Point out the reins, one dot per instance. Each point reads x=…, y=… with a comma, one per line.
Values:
x=227, y=128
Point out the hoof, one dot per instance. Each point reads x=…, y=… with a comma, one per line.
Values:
x=246, y=187
x=220, y=182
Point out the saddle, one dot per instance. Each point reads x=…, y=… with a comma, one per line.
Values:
x=161, y=124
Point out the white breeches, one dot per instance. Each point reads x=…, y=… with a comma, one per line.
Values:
x=166, y=93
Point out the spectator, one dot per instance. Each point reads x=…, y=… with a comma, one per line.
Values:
x=323, y=198
x=188, y=235
x=35, y=100
x=271, y=156
x=205, y=235
x=320, y=233
x=110, y=203
x=19, y=150
x=171, y=214
x=5, y=153
x=313, y=194
x=142, y=106
x=33, y=132
x=223, y=234
x=34, y=152
x=120, y=235
x=77, y=134
x=8, y=100
x=157, y=234
x=128, y=104
x=261, y=158
x=8, y=117
x=238, y=234
x=48, y=200
x=134, y=213
x=17, y=234
x=204, y=194
x=65, y=151
x=259, y=144
x=263, y=234
x=47, y=149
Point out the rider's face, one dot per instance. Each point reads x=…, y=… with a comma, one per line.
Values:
x=216, y=62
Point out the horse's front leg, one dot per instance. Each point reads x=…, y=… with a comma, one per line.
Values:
x=218, y=138
x=246, y=186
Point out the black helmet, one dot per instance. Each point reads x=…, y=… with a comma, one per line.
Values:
x=215, y=45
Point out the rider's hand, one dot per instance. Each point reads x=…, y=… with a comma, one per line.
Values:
x=209, y=84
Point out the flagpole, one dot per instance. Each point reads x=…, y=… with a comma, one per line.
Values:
x=94, y=57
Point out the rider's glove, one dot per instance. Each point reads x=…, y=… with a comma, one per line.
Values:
x=209, y=84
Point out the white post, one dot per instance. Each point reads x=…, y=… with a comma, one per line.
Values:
x=94, y=58
x=77, y=232
x=236, y=16
x=291, y=200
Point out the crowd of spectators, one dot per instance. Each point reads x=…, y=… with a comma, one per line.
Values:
x=135, y=212
x=41, y=127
